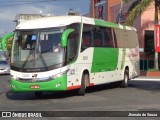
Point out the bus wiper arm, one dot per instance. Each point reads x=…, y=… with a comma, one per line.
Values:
x=37, y=51
x=43, y=61
x=26, y=60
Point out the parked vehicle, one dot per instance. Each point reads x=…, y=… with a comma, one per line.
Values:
x=4, y=67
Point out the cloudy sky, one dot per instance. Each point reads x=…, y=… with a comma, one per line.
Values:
x=10, y=8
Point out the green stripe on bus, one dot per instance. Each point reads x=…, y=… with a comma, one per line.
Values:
x=106, y=24
x=123, y=57
x=104, y=59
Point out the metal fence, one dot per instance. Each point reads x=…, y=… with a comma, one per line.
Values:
x=146, y=64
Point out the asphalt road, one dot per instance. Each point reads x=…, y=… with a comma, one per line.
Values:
x=139, y=96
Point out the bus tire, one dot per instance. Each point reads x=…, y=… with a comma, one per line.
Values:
x=84, y=81
x=38, y=94
x=124, y=83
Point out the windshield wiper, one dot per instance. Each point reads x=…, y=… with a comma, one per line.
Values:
x=27, y=59
x=30, y=55
x=43, y=61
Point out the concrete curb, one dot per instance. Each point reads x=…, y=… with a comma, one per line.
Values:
x=147, y=79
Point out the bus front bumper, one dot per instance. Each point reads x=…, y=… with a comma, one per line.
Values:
x=58, y=84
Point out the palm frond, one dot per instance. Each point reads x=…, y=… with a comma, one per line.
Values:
x=134, y=4
x=125, y=0
x=137, y=10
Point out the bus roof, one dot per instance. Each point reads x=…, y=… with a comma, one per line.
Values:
x=54, y=21
x=100, y=22
x=58, y=21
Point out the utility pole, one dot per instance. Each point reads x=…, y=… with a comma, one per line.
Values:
x=157, y=3
x=120, y=13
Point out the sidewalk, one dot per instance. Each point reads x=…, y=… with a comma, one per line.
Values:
x=147, y=78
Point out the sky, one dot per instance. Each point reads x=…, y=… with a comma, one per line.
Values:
x=10, y=8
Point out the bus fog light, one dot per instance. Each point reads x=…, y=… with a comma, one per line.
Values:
x=58, y=84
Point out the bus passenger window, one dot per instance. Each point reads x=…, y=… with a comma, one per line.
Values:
x=72, y=46
x=108, y=40
x=97, y=39
x=86, y=40
x=97, y=42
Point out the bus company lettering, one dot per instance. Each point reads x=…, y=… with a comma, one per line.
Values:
x=133, y=53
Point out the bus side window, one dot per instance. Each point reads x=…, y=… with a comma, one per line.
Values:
x=108, y=39
x=97, y=37
x=118, y=33
x=86, y=40
x=86, y=37
x=72, y=46
x=115, y=39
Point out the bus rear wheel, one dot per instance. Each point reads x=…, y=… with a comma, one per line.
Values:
x=84, y=84
x=124, y=83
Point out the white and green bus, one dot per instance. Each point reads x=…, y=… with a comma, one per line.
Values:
x=72, y=52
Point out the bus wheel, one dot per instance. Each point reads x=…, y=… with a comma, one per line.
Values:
x=124, y=83
x=38, y=94
x=84, y=84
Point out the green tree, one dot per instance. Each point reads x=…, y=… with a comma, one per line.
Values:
x=136, y=9
x=9, y=45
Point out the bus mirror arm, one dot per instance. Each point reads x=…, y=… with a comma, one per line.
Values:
x=64, y=38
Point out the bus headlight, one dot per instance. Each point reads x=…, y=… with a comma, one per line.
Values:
x=57, y=75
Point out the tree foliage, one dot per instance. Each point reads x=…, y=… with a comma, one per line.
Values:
x=136, y=9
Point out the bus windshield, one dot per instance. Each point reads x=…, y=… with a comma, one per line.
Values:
x=37, y=50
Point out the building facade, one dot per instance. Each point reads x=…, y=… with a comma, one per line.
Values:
x=101, y=9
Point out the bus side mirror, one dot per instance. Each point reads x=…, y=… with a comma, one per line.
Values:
x=64, y=38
